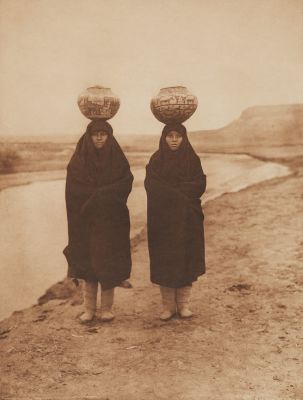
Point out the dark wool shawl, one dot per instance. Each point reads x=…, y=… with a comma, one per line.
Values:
x=174, y=184
x=97, y=187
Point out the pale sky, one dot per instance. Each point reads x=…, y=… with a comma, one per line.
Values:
x=231, y=54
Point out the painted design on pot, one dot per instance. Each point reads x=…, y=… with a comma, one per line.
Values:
x=98, y=102
x=174, y=104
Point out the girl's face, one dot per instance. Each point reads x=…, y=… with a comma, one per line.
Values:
x=99, y=139
x=174, y=140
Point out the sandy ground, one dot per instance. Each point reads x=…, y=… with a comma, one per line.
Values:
x=244, y=342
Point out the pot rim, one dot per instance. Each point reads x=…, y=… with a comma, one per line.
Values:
x=97, y=87
x=174, y=87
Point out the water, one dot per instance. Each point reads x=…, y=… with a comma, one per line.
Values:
x=33, y=227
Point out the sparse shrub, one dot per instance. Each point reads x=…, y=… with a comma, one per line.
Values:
x=9, y=158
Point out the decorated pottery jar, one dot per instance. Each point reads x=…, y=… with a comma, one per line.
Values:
x=174, y=104
x=98, y=102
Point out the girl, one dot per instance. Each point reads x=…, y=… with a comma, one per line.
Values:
x=98, y=183
x=174, y=184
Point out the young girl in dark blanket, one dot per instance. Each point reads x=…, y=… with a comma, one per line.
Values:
x=174, y=184
x=98, y=183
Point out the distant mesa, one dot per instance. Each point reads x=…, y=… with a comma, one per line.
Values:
x=272, y=125
x=281, y=124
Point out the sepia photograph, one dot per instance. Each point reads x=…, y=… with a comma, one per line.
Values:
x=151, y=199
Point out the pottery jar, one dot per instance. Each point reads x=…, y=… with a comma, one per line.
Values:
x=98, y=102
x=174, y=104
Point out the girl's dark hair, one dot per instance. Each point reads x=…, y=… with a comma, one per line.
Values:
x=174, y=127
x=98, y=125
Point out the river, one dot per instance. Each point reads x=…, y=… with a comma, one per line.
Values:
x=33, y=226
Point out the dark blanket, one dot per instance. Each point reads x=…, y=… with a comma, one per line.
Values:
x=97, y=187
x=174, y=184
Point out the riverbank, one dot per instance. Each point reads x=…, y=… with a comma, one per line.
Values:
x=244, y=342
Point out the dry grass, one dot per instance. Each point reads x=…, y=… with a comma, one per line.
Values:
x=29, y=157
x=9, y=158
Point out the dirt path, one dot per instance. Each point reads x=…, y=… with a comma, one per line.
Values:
x=245, y=341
